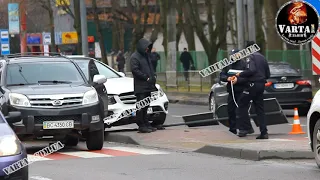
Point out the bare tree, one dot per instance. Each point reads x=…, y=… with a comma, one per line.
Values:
x=217, y=11
x=47, y=5
x=75, y=14
x=99, y=32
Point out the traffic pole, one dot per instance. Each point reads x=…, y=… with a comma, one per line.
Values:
x=23, y=25
x=84, y=27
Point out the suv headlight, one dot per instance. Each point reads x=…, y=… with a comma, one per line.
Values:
x=161, y=93
x=9, y=145
x=90, y=97
x=19, y=100
x=111, y=100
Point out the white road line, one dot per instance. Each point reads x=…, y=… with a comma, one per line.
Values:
x=300, y=125
x=138, y=150
x=177, y=116
x=280, y=140
x=32, y=158
x=84, y=154
x=39, y=178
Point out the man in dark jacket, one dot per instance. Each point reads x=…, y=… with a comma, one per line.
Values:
x=121, y=61
x=155, y=57
x=238, y=88
x=186, y=59
x=144, y=81
x=256, y=73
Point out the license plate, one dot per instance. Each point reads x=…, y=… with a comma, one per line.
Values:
x=149, y=110
x=58, y=124
x=284, y=86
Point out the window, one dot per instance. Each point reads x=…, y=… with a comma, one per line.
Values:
x=103, y=70
x=283, y=70
x=32, y=73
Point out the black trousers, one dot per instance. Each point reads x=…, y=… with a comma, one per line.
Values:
x=254, y=93
x=186, y=73
x=233, y=111
x=142, y=120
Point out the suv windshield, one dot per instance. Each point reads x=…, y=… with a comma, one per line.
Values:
x=43, y=72
x=103, y=69
x=282, y=69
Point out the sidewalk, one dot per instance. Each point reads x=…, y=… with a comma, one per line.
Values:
x=188, y=98
x=220, y=143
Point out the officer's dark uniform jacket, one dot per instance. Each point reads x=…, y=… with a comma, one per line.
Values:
x=240, y=85
x=257, y=69
x=141, y=67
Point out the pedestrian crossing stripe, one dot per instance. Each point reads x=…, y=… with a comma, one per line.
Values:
x=104, y=152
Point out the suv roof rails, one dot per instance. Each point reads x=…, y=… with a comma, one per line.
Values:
x=33, y=54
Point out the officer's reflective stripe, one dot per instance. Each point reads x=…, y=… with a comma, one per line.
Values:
x=296, y=121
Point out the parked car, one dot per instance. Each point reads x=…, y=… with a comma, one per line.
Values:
x=121, y=95
x=54, y=98
x=286, y=84
x=313, y=126
x=11, y=149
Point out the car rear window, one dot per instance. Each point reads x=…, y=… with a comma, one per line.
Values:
x=282, y=69
x=32, y=73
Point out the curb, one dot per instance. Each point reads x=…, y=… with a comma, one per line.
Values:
x=119, y=139
x=255, y=155
x=188, y=102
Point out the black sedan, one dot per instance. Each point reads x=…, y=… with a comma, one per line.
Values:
x=286, y=84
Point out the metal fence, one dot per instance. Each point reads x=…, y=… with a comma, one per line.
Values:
x=196, y=83
x=298, y=59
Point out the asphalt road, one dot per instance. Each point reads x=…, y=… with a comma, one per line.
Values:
x=176, y=111
x=170, y=165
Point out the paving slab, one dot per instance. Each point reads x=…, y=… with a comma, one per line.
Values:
x=220, y=143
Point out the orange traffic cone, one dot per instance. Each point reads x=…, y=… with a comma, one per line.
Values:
x=296, y=127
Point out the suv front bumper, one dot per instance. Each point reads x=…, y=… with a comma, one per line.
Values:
x=84, y=117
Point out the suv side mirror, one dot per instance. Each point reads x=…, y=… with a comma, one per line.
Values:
x=99, y=79
x=13, y=117
x=121, y=74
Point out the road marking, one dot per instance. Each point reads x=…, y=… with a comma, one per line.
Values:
x=300, y=125
x=85, y=154
x=39, y=178
x=138, y=150
x=105, y=152
x=280, y=140
x=177, y=116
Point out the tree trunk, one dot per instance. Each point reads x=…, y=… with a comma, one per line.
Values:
x=188, y=30
x=260, y=39
x=163, y=15
x=51, y=20
x=156, y=25
x=77, y=25
x=115, y=31
x=274, y=42
x=99, y=33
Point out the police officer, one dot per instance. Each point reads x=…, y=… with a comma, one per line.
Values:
x=257, y=73
x=237, y=90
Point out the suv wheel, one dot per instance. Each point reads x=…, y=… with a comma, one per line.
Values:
x=95, y=140
x=160, y=120
x=71, y=141
x=316, y=142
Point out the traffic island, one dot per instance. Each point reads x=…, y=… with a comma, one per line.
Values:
x=219, y=143
x=260, y=150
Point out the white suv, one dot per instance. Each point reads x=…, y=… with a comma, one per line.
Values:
x=121, y=96
x=313, y=118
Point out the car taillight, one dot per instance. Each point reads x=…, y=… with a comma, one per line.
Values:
x=268, y=84
x=304, y=83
